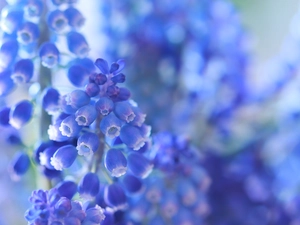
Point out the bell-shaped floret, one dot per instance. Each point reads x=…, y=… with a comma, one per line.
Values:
x=139, y=165
x=49, y=54
x=87, y=144
x=77, y=44
x=115, y=162
x=110, y=125
x=89, y=186
x=21, y=114
x=23, y=71
x=86, y=115
x=104, y=105
x=64, y=157
x=115, y=197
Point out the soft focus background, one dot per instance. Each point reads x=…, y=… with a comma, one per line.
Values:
x=268, y=23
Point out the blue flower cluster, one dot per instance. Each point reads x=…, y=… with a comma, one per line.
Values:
x=51, y=207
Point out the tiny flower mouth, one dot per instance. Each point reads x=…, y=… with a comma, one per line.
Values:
x=81, y=120
x=25, y=37
x=119, y=171
x=18, y=78
x=113, y=131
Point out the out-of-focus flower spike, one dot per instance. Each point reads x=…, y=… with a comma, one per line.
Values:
x=102, y=65
x=111, y=125
x=57, y=21
x=75, y=18
x=64, y=157
x=7, y=85
x=4, y=116
x=50, y=100
x=94, y=215
x=23, y=71
x=92, y=89
x=11, y=19
x=131, y=184
x=115, y=162
x=124, y=111
x=19, y=165
x=67, y=189
x=87, y=144
x=69, y=127
x=77, y=44
x=89, y=186
x=21, y=114
x=33, y=9
x=104, y=105
x=28, y=33
x=169, y=205
x=115, y=197
x=49, y=54
x=132, y=137
x=86, y=115
x=8, y=53
x=139, y=165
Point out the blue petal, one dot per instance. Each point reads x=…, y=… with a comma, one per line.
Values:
x=102, y=65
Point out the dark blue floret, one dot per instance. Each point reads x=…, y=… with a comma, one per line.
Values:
x=77, y=44
x=102, y=65
x=120, y=78
x=92, y=89
x=115, y=162
x=89, y=186
x=75, y=18
x=49, y=54
x=67, y=189
x=57, y=20
x=132, y=137
x=21, y=114
x=23, y=71
x=28, y=33
x=4, y=116
x=19, y=165
x=115, y=197
x=139, y=165
x=131, y=184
